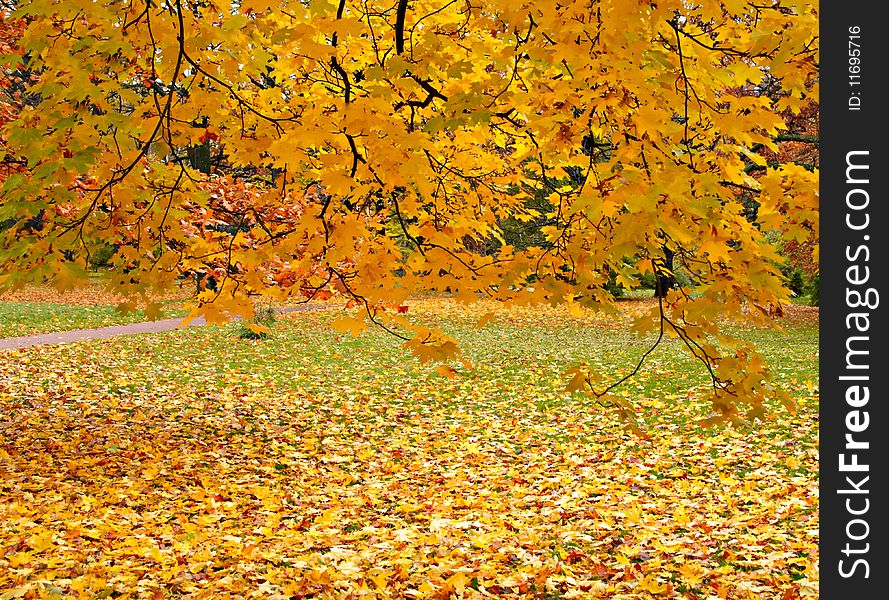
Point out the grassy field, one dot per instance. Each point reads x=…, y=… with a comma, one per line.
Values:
x=40, y=309
x=316, y=465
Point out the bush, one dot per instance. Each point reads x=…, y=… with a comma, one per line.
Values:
x=796, y=282
x=263, y=316
x=812, y=290
x=102, y=256
x=804, y=287
x=614, y=288
x=648, y=280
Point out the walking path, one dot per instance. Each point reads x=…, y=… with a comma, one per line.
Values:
x=100, y=333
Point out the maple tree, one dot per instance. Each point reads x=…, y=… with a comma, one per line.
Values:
x=11, y=87
x=368, y=149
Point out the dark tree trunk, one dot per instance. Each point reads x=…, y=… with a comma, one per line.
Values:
x=199, y=157
x=665, y=281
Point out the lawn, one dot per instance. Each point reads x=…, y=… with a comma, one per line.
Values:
x=41, y=309
x=317, y=465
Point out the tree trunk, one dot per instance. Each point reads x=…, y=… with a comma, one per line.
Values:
x=199, y=157
x=665, y=281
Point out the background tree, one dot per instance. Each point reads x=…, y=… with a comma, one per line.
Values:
x=14, y=80
x=384, y=147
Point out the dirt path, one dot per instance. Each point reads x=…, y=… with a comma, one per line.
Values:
x=100, y=333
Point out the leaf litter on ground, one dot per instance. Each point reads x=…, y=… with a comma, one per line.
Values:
x=314, y=464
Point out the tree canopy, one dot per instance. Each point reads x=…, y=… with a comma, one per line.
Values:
x=364, y=149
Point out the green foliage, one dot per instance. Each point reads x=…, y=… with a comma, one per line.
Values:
x=260, y=327
x=648, y=280
x=805, y=287
x=613, y=287
x=101, y=257
x=812, y=289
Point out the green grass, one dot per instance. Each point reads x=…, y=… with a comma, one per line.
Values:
x=637, y=294
x=523, y=360
x=26, y=318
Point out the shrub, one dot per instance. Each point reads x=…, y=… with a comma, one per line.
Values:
x=102, y=256
x=263, y=316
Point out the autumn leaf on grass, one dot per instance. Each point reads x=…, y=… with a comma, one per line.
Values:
x=257, y=328
x=456, y=583
x=260, y=492
x=310, y=444
x=651, y=585
x=19, y=592
x=403, y=459
x=19, y=559
x=691, y=574
x=485, y=319
x=380, y=580
x=326, y=518
x=680, y=516
x=40, y=541
x=366, y=454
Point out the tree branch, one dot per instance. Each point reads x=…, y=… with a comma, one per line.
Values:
x=400, y=14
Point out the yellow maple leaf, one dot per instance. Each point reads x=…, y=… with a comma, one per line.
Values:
x=651, y=585
x=692, y=574
x=326, y=518
x=353, y=325
x=649, y=119
x=40, y=541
